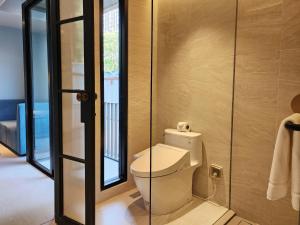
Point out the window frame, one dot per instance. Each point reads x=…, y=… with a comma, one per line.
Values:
x=123, y=94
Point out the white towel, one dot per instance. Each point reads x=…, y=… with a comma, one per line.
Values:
x=286, y=164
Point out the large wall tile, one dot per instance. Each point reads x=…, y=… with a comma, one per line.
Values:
x=287, y=90
x=291, y=24
x=195, y=57
x=289, y=64
x=266, y=81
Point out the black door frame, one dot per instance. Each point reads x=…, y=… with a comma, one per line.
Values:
x=123, y=94
x=26, y=6
x=88, y=114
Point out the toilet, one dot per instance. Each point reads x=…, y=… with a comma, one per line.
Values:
x=173, y=166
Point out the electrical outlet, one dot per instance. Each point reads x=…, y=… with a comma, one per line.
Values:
x=215, y=171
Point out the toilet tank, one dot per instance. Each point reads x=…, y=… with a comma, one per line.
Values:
x=187, y=140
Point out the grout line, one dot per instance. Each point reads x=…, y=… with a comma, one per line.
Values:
x=233, y=102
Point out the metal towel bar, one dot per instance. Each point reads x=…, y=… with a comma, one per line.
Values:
x=292, y=126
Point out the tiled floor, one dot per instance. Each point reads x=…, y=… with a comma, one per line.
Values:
x=234, y=221
x=240, y=221
x=130, y=210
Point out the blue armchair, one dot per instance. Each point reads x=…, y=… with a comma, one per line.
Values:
x=11, y=117
x=13, y=125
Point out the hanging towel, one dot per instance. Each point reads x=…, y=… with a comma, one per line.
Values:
x=285, y=168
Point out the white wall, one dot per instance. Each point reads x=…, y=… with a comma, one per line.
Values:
x=11, y=64
x=40, y=67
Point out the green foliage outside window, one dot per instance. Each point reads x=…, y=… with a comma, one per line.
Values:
x=111, y=51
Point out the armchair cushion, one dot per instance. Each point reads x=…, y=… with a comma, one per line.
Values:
x=8, y=109
x=13, y=125
x=9, y=126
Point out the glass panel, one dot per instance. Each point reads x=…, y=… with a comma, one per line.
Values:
x=70, y=8
x=74, y=190
x=40, y=85
x=72, y=56
x=111, y=31
x=193, y=59
x=73, y=129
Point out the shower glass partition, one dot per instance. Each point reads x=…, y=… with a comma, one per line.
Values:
x=228, y=69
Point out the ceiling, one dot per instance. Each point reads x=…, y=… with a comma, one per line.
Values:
x=11, y=13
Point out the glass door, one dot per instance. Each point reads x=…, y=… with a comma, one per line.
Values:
x=74, y=111
x=36, y=57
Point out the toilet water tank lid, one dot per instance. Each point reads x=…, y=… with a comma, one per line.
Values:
x=185, y=134
x=165, y=160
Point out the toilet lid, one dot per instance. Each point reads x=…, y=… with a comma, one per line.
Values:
x=165, y=160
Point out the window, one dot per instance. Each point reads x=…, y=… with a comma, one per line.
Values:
x=114, y=93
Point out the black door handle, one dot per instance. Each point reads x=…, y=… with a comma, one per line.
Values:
x=82, y=97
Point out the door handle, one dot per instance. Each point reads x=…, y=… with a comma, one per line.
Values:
x=82, y=97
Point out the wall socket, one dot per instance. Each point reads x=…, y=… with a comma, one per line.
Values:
x=215, y=171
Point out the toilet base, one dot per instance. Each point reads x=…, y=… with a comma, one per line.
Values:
x=169, y=193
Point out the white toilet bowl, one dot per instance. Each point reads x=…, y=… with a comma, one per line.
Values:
x=172, y=175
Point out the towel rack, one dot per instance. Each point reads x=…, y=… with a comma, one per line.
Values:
x=292, y=126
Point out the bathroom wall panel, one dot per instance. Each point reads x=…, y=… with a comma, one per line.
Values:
x=291, y=28
x=265, y=82
x=139, y=78
x=195, y=54
x=289, y=64
x=139, y=74
x=287, y=90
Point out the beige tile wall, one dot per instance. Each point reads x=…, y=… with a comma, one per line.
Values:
x=267, y=78
x=195, y=55
x=139, y=67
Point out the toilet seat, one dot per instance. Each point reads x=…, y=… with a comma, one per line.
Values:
x=165, y=160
